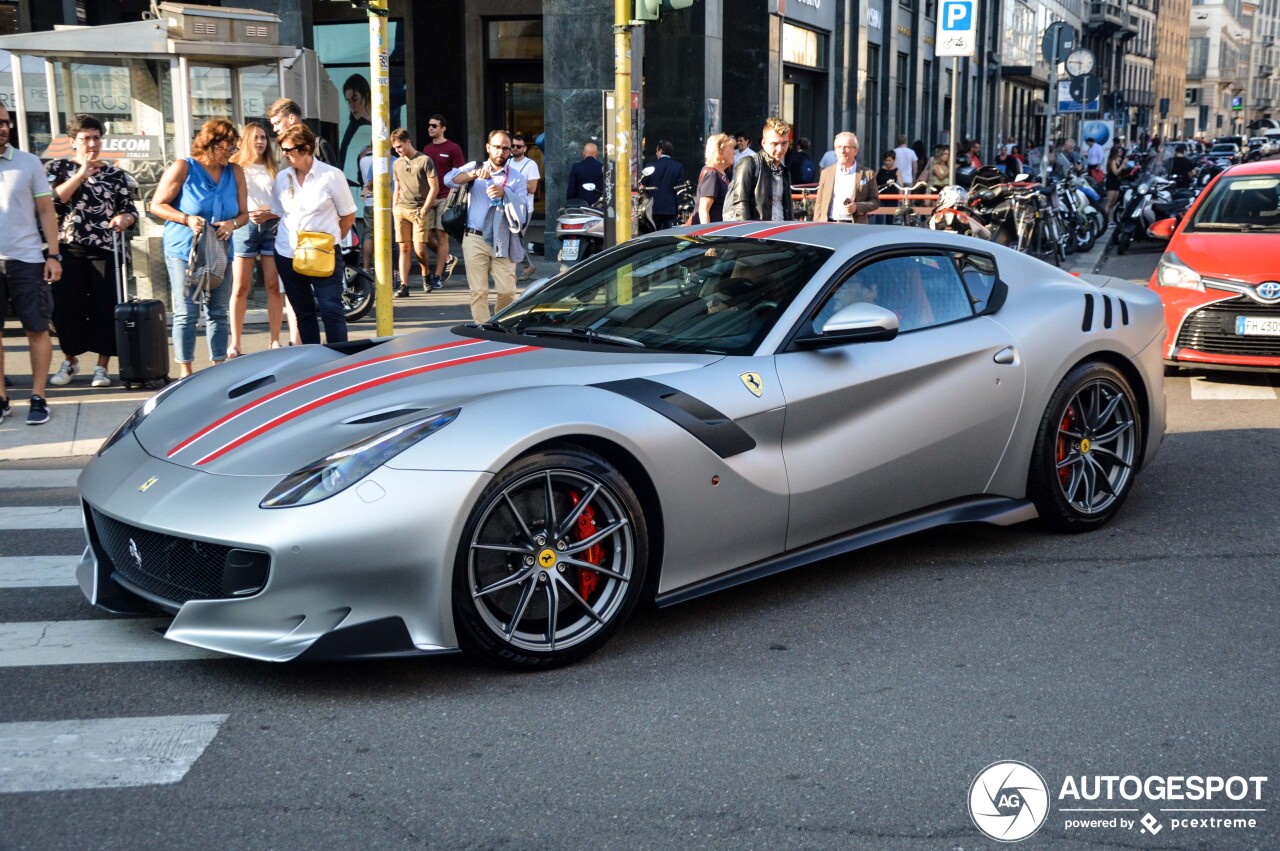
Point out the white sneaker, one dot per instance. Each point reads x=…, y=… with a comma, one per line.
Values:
x=64, y=373
x=100, y=377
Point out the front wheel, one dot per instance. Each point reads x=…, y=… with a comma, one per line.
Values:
x=1123, y=239
x=1086, y=450
x=552, y=560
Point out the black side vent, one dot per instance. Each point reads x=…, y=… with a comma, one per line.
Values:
x=1106, y=311
x=250, y=386
x=1124, y=311
x=1087, y=324
x=713, y=429
x=381, y=416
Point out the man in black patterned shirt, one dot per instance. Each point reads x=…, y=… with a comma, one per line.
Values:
x=93, y=204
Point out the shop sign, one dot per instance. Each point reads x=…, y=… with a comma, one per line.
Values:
x=113, y=148
x=820, y=14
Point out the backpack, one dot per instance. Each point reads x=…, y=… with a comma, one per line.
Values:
x=808, y=170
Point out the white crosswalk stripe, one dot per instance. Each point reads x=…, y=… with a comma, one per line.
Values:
x=41, y=517
x=1204, y=390
x=11, y=479
x=91, y=642
x=38, y=571
x=49, y=756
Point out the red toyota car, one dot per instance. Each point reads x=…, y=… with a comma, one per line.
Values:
x=1219, y=278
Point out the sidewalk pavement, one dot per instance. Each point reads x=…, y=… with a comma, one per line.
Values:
x=82, y=417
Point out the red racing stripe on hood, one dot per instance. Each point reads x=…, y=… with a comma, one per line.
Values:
x=351, y=391
x=768, y=232
x=306, y=382
x=714, y=228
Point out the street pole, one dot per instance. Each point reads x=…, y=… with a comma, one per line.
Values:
x=955, y=96
x=1051, y=109
x=622, y=119
x=381, y=108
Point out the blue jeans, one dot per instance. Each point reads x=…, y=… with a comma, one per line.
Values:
x=186, y=312
x=308, y=295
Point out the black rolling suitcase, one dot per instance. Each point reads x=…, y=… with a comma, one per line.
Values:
x=142, y=339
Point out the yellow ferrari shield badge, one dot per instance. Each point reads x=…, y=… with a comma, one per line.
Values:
x=148, y=483
x=753, y=383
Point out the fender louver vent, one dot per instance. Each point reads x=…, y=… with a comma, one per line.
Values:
x=250, y=386
x=1108, y=312
x=380, y=416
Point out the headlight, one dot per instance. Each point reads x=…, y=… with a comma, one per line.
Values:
x=135, y=419
x=1172, y=272
x=335, y=473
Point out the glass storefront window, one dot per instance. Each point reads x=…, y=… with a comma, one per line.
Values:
x=803, y=47
x=210, y=94
x=518, y=39
x=259, y=88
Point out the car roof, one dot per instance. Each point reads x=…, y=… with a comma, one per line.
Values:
x=1260, y=167
x=842, y=238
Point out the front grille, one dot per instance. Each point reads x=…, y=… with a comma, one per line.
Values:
x=1212, y=329
x=176, y=569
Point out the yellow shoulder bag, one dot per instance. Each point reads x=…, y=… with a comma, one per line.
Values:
x=314, y=256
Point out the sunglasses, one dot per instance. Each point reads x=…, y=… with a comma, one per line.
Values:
x=519, y=147
x=6, y=125
x=286, y=150
x=433, y=124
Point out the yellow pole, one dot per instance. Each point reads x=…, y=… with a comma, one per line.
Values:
x=622, y=118
x=381, y=109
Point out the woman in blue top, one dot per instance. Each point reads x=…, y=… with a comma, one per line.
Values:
x=205, y=187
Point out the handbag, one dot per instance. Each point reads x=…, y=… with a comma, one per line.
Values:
x=206, y=265
x=454, y=219
x=314, y=256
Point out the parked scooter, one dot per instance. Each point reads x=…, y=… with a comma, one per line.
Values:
x=1150, y=201
x=357, y=284
x=580, y=229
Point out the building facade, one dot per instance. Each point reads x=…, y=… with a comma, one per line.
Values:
x=1217, y=58
x=1173, y=19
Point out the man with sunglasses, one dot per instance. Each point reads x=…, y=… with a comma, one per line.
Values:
x=529, y=168
x=496, y=218
x=445, y=156
x=26, y=271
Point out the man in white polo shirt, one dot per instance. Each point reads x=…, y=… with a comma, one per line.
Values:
x=25, y=272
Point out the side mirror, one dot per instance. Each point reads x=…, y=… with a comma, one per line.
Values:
x=646, y=171
x=590, y=187
x=1164, y=228
x=534, y=286
x=857, y=323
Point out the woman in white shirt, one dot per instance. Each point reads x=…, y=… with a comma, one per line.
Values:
x=311, y=196
x=257, y=239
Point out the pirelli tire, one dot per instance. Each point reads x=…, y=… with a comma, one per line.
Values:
x=552, y=560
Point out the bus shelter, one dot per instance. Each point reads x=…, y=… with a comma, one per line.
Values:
x=152, y=83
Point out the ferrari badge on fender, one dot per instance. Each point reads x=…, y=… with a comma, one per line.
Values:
x=151, y=481
x=752, y=380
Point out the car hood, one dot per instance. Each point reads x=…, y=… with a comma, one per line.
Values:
x=1248, y=257
x=271, y=413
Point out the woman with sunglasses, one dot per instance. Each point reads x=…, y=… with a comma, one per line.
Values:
x=205, y=189
x=311, y=196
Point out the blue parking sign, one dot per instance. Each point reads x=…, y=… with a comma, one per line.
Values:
x=957, y=15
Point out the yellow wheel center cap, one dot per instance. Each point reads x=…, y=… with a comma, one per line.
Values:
x=1084, y=444
x=547, y=558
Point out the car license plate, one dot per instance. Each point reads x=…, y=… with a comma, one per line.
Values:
x=1261, y=326
x=569, y=249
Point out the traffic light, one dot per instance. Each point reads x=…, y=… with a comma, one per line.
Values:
x=651, y=10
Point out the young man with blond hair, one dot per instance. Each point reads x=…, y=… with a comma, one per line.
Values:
x=761, y=186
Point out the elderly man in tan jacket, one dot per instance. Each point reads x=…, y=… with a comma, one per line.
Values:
x=845, y=192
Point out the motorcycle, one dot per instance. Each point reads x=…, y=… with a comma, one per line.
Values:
x=580, y=230
x=357, y=284
x=955, y=214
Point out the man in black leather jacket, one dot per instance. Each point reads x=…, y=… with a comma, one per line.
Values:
x=761, y=187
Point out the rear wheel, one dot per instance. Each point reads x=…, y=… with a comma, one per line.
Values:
x=552, y=560
x=1086, y=451
x=357, y=294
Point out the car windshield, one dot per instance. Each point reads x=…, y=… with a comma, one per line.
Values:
x=1243, y=204
x=678, y=293
x=1223, y=149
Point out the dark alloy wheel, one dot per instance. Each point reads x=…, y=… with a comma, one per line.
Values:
x=1087, y=449
x=552, y=560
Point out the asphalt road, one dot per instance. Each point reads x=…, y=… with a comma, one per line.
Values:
x=848, y=705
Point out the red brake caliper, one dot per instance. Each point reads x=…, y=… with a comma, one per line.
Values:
x=588, y=580
x=1064, y=473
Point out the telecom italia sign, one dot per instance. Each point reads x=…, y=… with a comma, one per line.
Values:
x=957, y=28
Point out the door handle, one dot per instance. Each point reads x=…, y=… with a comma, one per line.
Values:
x=1007, y=356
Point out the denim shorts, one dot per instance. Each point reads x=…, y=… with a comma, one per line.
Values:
x=253, y=240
